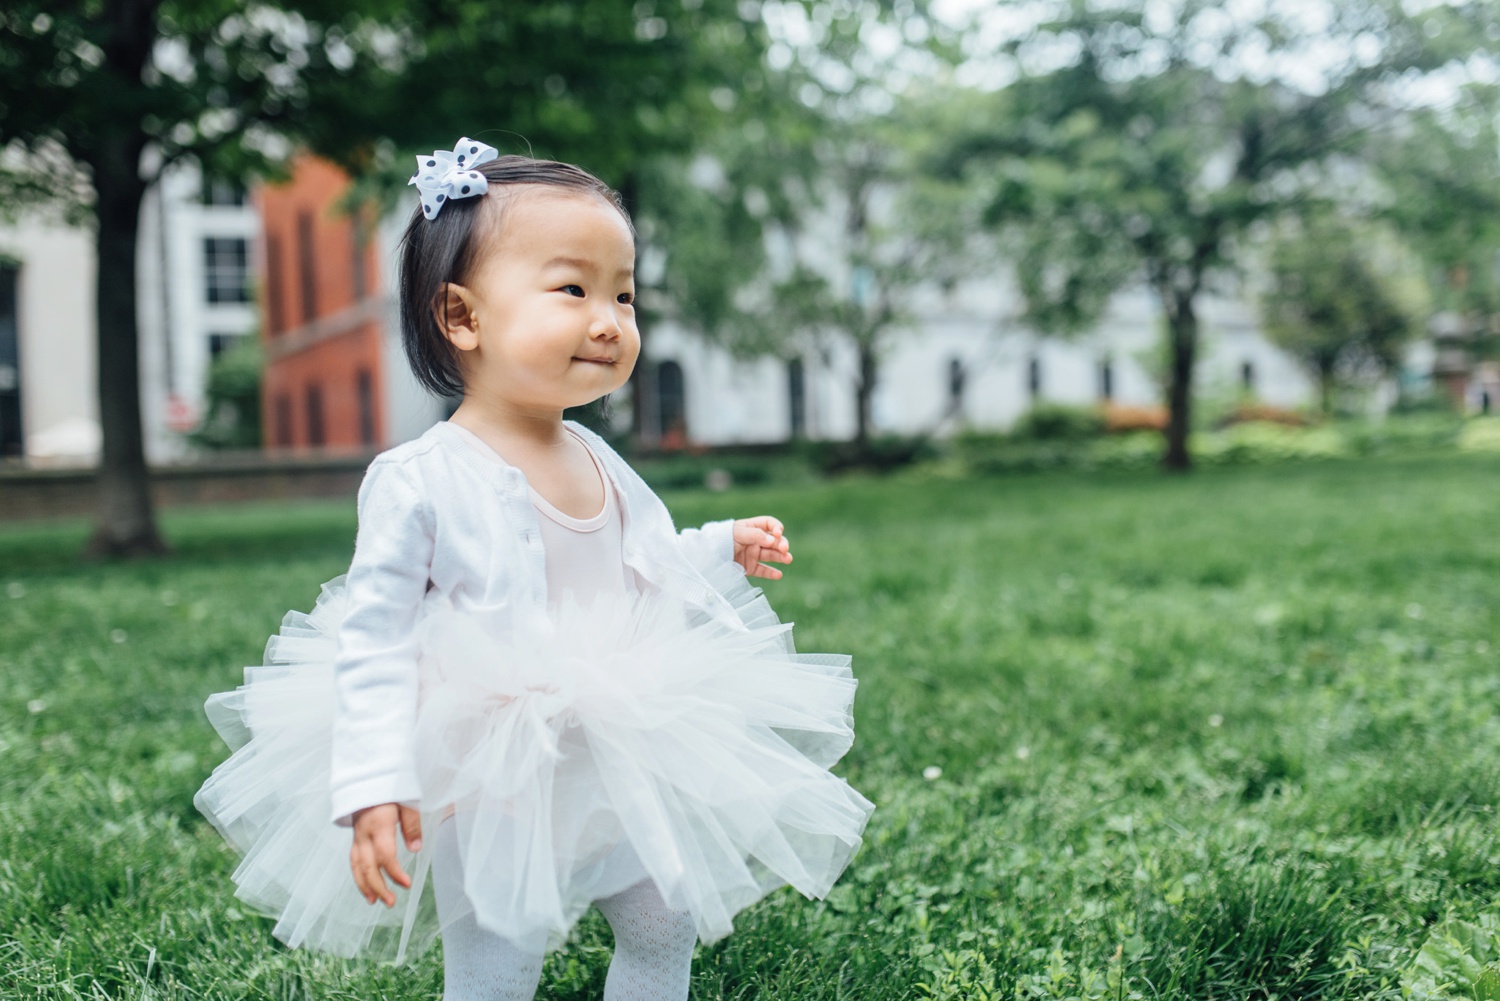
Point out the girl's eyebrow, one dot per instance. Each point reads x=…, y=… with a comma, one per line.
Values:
x=583, y=264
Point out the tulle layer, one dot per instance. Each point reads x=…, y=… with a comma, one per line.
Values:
x=576, y=755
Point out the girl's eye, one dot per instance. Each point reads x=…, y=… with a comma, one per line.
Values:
x=575, y=290
x=628, y=298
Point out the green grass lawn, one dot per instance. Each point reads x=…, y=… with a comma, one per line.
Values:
x=1228, y=736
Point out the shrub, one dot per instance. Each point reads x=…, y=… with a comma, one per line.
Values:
x=231, y=417
x=690, y=472
x=1247, y=413
x=1122, y=419
x=1429, y=402
x=1260, y=441
x=880, y=454
x=1416, y=432
x=1056, y=422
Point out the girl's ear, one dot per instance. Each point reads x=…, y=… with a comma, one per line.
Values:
x=453, y=308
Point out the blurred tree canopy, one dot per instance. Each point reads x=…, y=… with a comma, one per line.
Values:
x=98, y=98
x=894, y=230
x=1343, y=297
x=1441, y=171
x=1154, y=143
x=807, y=228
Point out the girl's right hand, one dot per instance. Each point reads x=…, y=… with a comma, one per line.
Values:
x=374, y=849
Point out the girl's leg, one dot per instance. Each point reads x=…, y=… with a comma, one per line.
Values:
x=478, y=965
x=653, y=946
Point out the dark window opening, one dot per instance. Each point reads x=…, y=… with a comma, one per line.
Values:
x=226, y=269
x=1034, y=377
x=957, y=377
x=11, y=441
x=307, y=266
x=219, y=343
x=275, y=296
x=1247, y=376
x=796, y=391
x=314, y=404
x=365, y=387
x=1106, y=380
x=283, y=412
x=671, y=400
x=359, y=240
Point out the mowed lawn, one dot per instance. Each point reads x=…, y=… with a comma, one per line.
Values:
x=1227, y=736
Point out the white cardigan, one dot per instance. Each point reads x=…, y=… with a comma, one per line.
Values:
x=438, y=514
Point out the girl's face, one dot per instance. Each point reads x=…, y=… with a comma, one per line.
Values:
x=546, y=320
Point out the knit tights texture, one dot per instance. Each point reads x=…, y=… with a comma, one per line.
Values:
x=653, y=943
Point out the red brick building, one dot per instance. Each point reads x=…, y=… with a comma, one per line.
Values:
x=321, y=305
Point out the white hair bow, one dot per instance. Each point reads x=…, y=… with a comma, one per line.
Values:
x=444, y=176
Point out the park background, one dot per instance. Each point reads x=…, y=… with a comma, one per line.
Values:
x=1176, y=679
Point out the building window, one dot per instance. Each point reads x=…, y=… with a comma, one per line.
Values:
x=365, y=388
x=306, y=267
x=796, y=392
x=1034, y=376
x=226, y=263
x=275, y=294
x=283, y=412
x=217, y=191
x=671, y=402
x=1106, y=379
x=11, y=441
x=219, y=343
x=359, y=240
x=314, y=403
x=957, y=377
x=1247, y=376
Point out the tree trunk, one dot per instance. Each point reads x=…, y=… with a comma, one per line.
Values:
x=1325, y=390
x=864, y=389
x=127, y=523
x=1182, y=323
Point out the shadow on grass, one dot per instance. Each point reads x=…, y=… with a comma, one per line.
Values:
x=208, y=536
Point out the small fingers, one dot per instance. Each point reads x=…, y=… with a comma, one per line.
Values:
x=392, y=866
x=367, y=877
x=763, y=529
x=411, y=828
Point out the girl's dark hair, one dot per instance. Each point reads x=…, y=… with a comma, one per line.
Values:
x=445, y=249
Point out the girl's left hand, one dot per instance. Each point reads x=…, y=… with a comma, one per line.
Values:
x=757, y=540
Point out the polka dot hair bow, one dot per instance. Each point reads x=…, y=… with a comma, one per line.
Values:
x=444, y=176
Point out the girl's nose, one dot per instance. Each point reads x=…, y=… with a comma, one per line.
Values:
x=606, y=324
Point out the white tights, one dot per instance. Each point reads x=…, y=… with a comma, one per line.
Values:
x=653, y=943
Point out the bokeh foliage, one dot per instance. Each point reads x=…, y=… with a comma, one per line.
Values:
x=1152, y=144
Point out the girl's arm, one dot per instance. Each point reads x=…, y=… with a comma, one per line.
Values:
x=375, y=671
x=708, y=546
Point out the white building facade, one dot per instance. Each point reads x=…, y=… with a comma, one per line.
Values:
x=194, y=298
x=966, y=362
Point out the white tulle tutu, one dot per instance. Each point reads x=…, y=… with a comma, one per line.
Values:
x=576, y=755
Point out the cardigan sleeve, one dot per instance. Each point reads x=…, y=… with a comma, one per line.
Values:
x=709, y=546
x=375, y=668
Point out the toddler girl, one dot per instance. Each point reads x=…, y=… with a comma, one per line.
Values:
x=552, y=697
